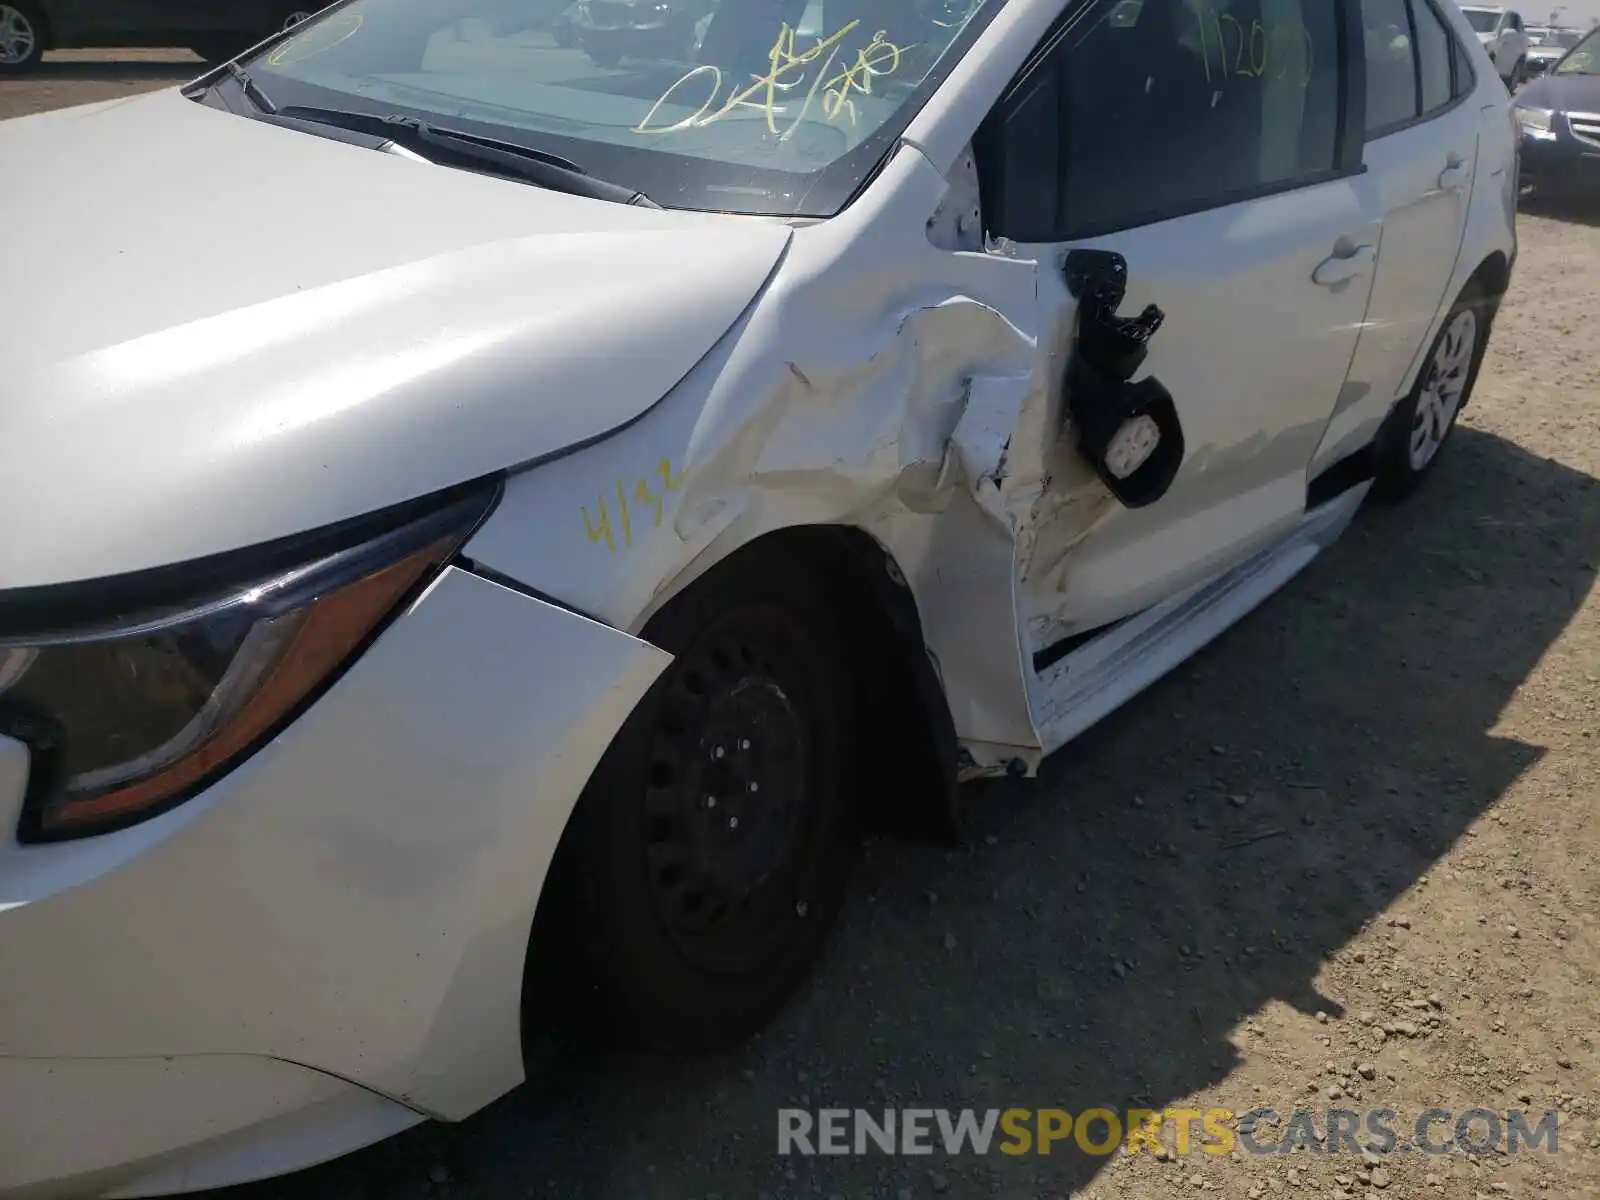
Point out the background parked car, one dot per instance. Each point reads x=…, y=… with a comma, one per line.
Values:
x=1502, y=33
x=213, y=29
x=610, y=30
x=1559, y=116
x=1546, y=46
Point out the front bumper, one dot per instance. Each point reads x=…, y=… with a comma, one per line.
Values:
x=326, y=946
x=153, y=1126
x=1567, y=162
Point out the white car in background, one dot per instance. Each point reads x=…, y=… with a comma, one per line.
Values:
x=1547, y=46
x=522, y=581
x=1502, y=33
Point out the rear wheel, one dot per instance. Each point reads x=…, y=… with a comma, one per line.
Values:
x=1420, y=425
x=21, y=36
x=709, y=856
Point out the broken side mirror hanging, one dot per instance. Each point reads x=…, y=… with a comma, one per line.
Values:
x=1129, y=432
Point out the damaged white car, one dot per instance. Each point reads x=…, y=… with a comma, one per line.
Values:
x=480, y=518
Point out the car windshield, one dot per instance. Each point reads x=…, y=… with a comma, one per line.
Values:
x=772, y=107
x=1584, y=60
x=1483, y=20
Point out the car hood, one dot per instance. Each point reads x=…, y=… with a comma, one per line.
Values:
x=217, y=331
x=1564, y=93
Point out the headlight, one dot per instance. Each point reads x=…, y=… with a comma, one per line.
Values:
x=133, y=694
x=1535, y=121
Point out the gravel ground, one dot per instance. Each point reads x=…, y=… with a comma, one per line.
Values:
x=1345, y=857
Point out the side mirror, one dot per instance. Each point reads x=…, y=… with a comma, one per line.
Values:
x=1129, y=432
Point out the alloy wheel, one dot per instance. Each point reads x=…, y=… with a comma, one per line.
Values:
x=18, y=38
x=1443, y=387
x=294, y=18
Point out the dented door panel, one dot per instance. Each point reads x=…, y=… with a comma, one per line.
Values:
x=1254, y=353
x=886, y=381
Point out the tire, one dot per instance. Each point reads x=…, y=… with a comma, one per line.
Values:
x=22, y=36
x=604, y=56
x=708, y=859
x=1420, y=425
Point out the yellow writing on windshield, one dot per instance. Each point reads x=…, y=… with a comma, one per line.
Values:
x=317, y=38
x=1271, y=50
x=787, y=70
x=880, y=57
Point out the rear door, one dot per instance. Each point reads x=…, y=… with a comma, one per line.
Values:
x=1421, y=157
x=1205, y=142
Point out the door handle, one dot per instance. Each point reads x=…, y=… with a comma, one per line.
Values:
x=1454, y=174
x=1342, y=268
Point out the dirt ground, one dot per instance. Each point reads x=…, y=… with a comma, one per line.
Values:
x=1346, y=857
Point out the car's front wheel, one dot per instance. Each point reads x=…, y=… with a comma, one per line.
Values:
x=1421, y=423
x=21, y=37
x=709, y=855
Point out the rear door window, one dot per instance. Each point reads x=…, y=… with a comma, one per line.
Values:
x=1391, y=65
x=1434, y=44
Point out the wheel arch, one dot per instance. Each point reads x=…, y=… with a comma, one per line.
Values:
x=882, y=623
x=907, y=774
x=1492, y=277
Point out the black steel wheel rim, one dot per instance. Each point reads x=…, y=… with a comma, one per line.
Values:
x=730, y=813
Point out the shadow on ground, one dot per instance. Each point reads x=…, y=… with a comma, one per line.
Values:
x=1102, y=931
x=113, y=70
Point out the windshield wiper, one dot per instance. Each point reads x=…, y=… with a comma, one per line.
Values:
x=523, y=162
x=251, y=88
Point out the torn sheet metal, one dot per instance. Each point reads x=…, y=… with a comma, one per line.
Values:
x=885, y=382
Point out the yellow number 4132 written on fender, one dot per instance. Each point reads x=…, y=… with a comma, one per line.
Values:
x=636, y=498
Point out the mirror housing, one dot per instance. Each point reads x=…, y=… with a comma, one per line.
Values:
x=1129, y=432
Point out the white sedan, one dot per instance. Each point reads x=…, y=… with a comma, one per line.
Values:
x=487, y=528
